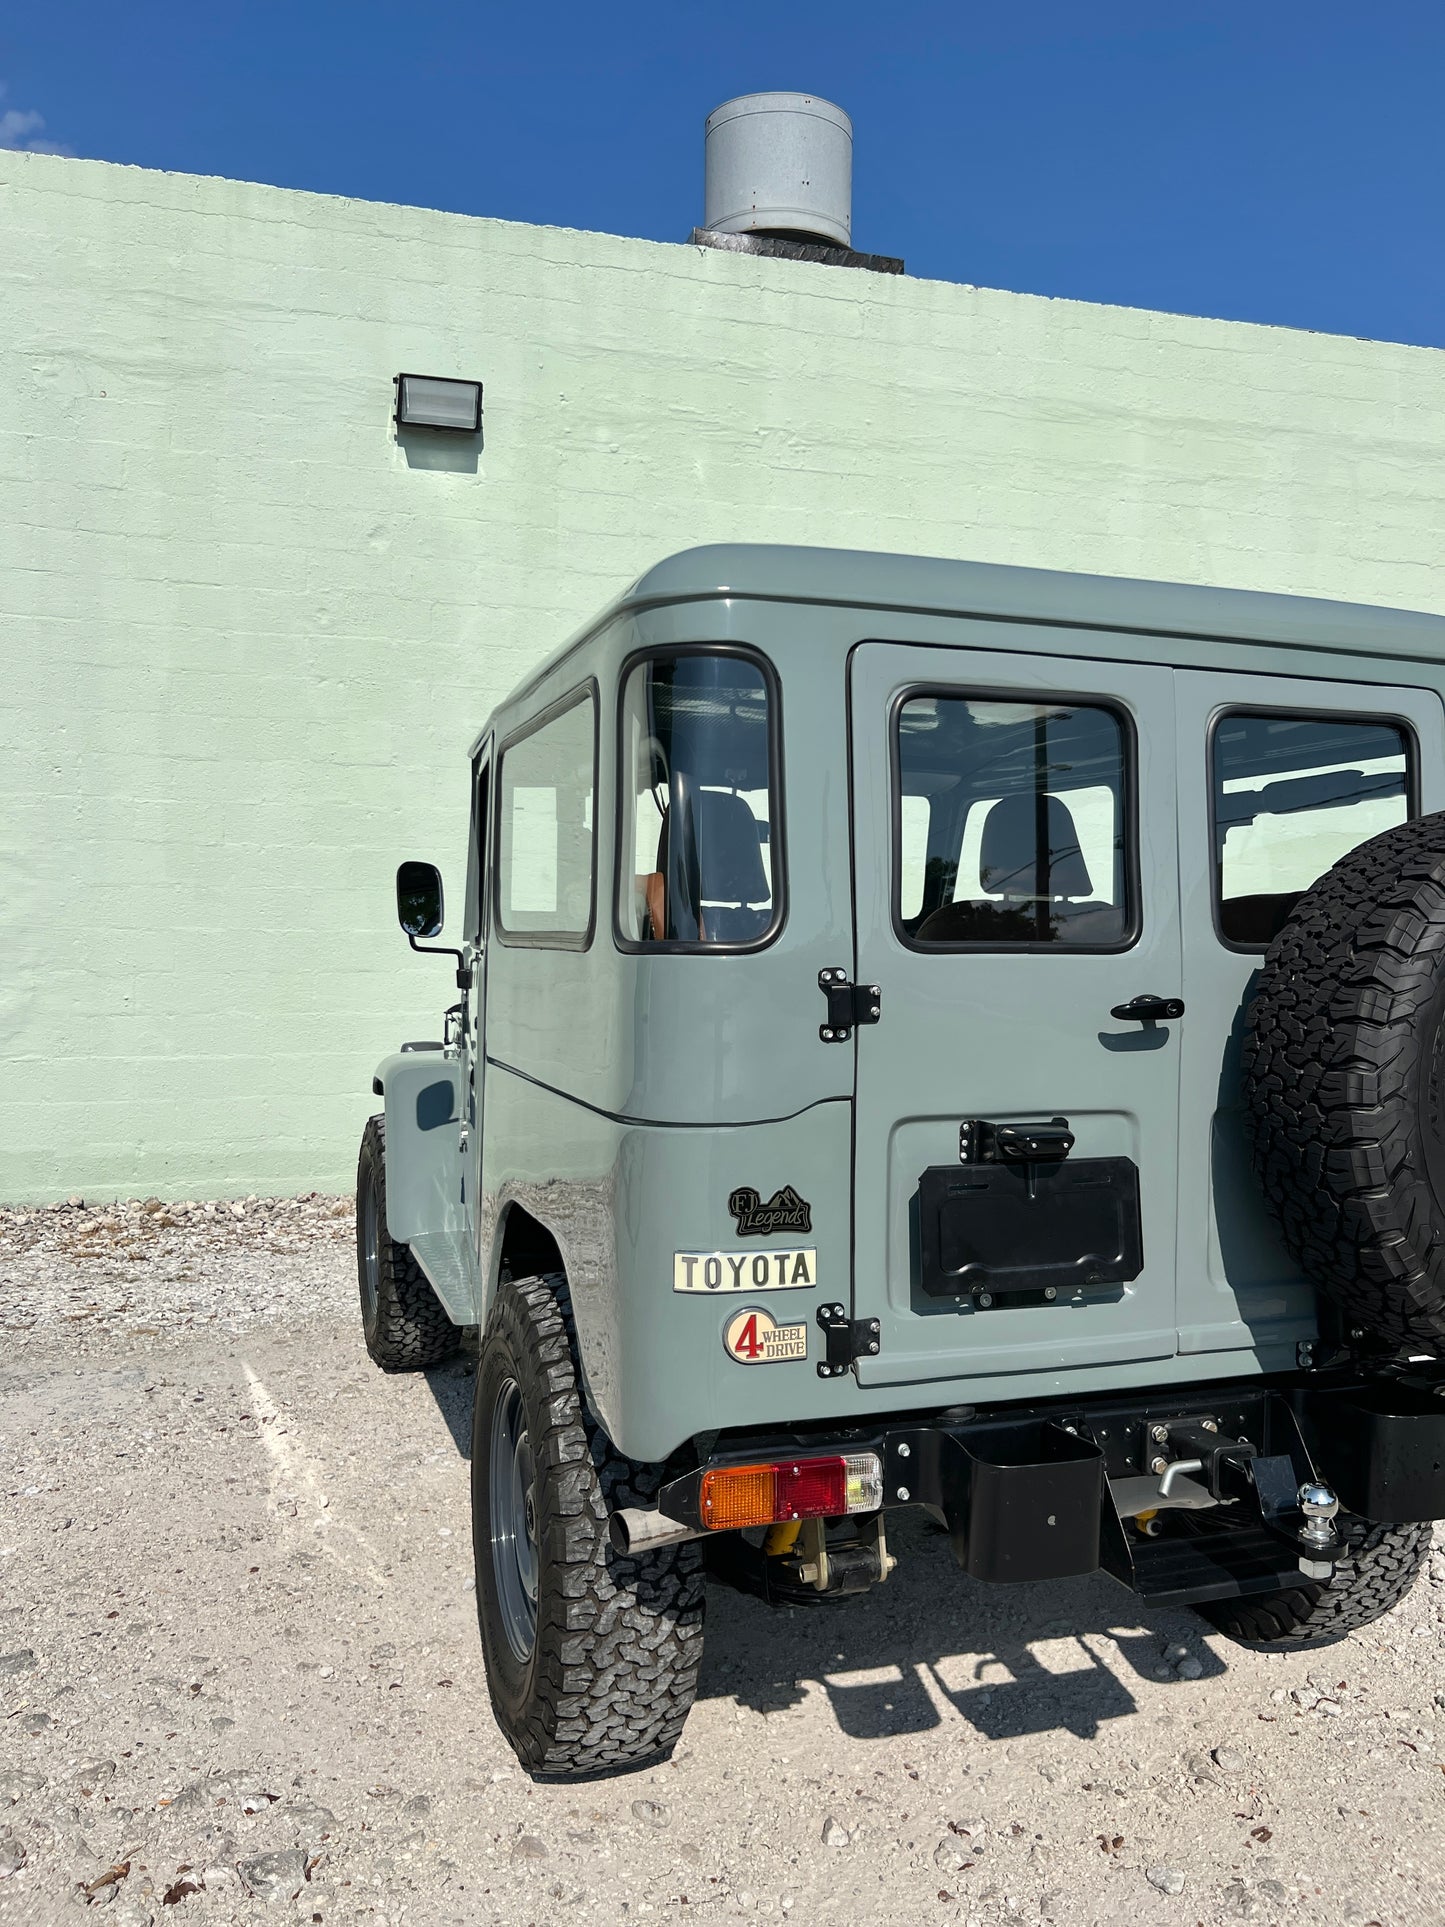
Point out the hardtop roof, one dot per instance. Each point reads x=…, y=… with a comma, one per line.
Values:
x=933, y=586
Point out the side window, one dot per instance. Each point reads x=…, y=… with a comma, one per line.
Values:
x=1013, y=823
x=699, y=862
x=546, y=857
x=1291, y=795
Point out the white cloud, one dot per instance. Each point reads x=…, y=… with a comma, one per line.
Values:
x=21, y=128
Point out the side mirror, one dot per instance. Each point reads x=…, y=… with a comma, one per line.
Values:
x=419, y=899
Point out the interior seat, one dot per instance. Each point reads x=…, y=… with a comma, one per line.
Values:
x=730, y=864
x=1020, y=876
x=730, y=867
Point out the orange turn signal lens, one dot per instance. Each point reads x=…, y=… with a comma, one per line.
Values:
x=740, y=1495
x=734, y=1496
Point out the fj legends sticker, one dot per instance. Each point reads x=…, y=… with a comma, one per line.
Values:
x=705, y=1271
x=754, y=1337
x=784, y=1211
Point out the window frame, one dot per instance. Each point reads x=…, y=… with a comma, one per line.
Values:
x=777, y=793
x=479, y=846
x=1284, y=713
x=583, y=692
x=1128, y=800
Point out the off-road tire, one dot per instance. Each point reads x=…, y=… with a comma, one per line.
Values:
x=1344, y=1083
x=1379, y=1566
x=618, y=1640
x=402, y=1318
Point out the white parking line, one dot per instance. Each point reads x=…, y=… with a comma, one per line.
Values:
x=298, y=1500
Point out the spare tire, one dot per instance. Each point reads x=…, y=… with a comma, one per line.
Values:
x=1344, y=1079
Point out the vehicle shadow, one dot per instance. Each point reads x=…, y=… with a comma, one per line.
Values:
x=451, y=1386
x=1011, y=1660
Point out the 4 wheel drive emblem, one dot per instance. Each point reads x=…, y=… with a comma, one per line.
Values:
x=784, y=1211
x=754, y=1337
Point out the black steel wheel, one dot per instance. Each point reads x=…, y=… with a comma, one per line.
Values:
x=592, y=1656
x=1344, y=1081
x=405, y=1325
x=1379, y=1566
x=512, y=1520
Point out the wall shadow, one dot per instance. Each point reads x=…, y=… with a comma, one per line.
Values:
x=439, y=451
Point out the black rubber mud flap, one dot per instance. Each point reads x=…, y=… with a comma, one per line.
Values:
x=1344, y=1080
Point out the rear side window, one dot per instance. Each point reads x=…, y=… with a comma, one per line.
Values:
x=1013, y=824
x=1291, y=796
x=546, y=855
x=699, y=858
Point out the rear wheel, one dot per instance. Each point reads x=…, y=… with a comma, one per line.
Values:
x=1377, y=1569
x=592, y=1657
x=402, y=1318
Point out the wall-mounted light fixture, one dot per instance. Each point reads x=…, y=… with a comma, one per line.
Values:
x=431, y=401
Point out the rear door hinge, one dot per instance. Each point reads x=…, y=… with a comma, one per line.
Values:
x=848, y=1339
x=849, y=1005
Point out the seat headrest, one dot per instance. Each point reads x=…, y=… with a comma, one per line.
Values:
x=1010, y=861
x=729, y=860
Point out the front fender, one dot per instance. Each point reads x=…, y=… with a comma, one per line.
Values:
x=425, y=1171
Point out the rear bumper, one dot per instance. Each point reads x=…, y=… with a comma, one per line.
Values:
x=1052, y=1491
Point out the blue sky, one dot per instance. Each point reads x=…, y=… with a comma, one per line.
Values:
x=1270, y=161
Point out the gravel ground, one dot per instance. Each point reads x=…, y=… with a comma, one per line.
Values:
x=240, y=1677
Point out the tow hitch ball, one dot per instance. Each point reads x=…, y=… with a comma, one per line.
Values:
x=1319, y=1506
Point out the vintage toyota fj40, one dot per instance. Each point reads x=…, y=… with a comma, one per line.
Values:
x=930, y=1035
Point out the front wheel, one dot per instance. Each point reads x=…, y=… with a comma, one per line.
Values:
x=592, y=1657
x=1378, y=1567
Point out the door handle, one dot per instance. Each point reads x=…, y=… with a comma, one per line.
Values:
x=1148, y=1010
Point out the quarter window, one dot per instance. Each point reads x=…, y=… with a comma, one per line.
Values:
x=1013, y=824
x=700, y=860
x=547, y=849
x=1292, y=795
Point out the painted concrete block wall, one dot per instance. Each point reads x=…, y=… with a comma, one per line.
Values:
x=246, y=637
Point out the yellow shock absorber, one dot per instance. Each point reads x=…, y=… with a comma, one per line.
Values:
x=782, y=1537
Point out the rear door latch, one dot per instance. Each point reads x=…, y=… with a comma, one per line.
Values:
x=849, y=1005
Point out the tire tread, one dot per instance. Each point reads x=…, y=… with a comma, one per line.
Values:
x=1379, y=1566
x=1340, y=1038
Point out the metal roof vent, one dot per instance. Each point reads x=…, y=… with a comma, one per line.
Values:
x=780, y=165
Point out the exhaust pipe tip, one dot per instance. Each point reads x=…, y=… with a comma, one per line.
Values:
x=636, y=1529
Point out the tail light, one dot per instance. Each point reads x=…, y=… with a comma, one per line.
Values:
x=765, y=1495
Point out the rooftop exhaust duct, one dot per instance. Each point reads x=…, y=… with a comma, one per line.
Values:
x=780, y=165
x=779, y=180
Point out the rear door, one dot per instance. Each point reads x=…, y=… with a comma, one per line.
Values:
x=1015, y=881
x=1278, y=778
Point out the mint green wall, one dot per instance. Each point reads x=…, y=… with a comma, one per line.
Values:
x=246, y=639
